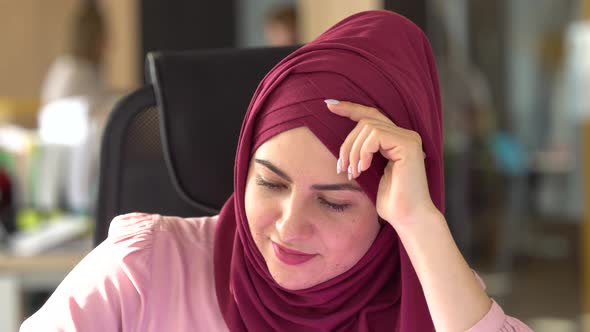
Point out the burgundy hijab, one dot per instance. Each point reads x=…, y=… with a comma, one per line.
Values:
x=375, y=58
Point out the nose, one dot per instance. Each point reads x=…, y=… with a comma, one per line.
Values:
x=294, y=224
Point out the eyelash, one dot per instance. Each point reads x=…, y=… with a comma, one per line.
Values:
x=323, y=201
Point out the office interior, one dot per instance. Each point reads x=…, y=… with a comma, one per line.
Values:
x=515, y=76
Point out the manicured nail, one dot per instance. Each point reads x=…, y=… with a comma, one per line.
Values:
x=349, y=172
x=359, y=167
x=339, y=166
x=331, y=102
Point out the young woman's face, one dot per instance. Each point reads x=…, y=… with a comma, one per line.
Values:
x=309, y=223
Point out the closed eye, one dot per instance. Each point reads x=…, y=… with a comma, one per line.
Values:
x=333, y=206
x=277, y=187
x=273, y=186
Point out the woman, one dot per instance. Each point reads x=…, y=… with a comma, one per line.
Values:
x=335, y=222
x=76, y=102
x=78, y=71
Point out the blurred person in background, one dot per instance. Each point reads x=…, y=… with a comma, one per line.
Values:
x=78, y=71
x=280, y=26
x=469, y=163
x=469, y=123
x=75, y=105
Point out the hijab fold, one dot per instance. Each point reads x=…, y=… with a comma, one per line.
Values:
x=375, y=58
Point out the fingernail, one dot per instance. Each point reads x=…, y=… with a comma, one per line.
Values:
x=349, y=172
x=359, y=167
x=331, y=102
x=339, y=166
x=424, y=154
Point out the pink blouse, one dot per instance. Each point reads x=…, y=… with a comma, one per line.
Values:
x=155, y=273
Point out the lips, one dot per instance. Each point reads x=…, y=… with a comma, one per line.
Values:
x=290, y=256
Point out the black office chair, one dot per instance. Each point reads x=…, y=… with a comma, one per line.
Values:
x=169, y=147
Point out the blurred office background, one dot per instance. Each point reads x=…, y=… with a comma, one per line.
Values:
x=515, y=78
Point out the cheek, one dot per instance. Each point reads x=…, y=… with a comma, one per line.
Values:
x=347, y=234
x=260, y=209
x=351, y=239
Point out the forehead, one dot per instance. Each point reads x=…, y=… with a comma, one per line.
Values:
x=296, y=147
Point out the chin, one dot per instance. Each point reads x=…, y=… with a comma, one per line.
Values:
x=293, y=282
x=291, y=278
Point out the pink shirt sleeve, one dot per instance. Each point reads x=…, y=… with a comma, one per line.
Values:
x=497, y=321
x=111, y=282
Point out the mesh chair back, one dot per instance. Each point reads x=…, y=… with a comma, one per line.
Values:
x=133, y=174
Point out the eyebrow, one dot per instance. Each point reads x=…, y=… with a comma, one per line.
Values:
x=322, y=187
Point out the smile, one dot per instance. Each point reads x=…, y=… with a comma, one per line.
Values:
x=290, y=256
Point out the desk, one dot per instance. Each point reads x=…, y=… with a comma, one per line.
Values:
x=34, y=273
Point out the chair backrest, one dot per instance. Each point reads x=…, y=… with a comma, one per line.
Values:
x=133, y=174
x=169, y=147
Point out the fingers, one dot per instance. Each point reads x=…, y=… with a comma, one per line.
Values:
x=374, y=132
x=356, y=153
x=353, y=142
x=371, y=136
x=354, y=159
x=354, y=111
x=345, y=148
x=366, y=144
